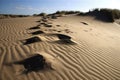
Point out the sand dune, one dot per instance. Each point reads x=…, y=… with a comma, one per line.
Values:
x=94, y=56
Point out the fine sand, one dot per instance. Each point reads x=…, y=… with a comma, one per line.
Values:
x=75, y=47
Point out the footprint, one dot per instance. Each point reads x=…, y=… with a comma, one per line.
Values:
x=62, y=36
x=37, y=32
x=38, y=21
x=36, y=63
x=48, y=25
x=84, y=23
x=58, y=25
x=68, y=31
x=31, y=40
x=62, y=39
x=36, y=27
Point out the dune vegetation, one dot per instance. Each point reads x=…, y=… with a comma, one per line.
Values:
x=2, y=16
x=104, y=14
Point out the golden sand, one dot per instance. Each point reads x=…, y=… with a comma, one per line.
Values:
x=92, y=53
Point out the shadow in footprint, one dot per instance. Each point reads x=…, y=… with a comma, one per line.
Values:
x=37, y=32
x=84, y=23
x=32, y=40
x=38, y=21
x=46, y=24
x=62, y=36
x=42, y=23
x=64, y=39
x=34, y=63
x=36, y=27
x=58, y=25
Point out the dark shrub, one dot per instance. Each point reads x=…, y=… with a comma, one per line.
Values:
x=104, y=14
x=42, y=14
x=67, y=12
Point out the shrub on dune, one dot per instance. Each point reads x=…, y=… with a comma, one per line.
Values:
x=41, y=14
x=104, y=14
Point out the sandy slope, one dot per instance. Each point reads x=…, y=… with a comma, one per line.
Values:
x=95, y=54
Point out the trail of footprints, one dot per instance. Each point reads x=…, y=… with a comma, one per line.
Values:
x=40, y=35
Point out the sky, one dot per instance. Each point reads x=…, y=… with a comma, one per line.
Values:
x=29, y=7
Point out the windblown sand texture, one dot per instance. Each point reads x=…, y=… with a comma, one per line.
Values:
x=91, y=50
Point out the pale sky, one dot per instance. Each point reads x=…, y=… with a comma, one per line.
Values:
x=50, y=6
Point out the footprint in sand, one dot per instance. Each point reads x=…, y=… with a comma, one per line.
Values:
x=46, y=24
x=36, y=63
x=38, y=21
x=84, y=23
x=68, y=31
x=65, y=39
x=31, y=40
x=61, y=39
x=36, y=27
x=58, y=25
x=37, y=32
